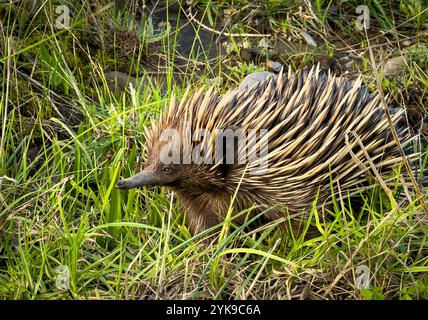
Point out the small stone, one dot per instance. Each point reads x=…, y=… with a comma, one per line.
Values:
x=394, y=66
x=407, y=43
x=348, y=65
x=253, y=78
x=275, y=66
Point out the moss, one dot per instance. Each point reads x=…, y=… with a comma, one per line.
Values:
x=419, y=55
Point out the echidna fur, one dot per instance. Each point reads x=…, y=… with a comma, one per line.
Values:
x=326, y=135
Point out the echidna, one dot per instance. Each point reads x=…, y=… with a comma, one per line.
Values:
x=325, y=136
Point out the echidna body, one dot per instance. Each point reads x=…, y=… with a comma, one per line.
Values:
x=324, y=134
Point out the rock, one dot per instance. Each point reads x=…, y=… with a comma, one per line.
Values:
x=348, y=65
x=119, y=80
x=308, y=38
x=275, y=66
x=253, y=78
x=407, y=43
x=394, y=66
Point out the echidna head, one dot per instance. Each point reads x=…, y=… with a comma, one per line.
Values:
x=181, y=148
x=156, y=172
x=166, y=166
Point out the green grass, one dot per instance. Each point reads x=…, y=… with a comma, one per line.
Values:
x=66, y=139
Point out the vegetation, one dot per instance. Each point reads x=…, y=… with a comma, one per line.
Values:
x=71, y=125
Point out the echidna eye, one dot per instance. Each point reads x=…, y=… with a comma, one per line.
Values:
x=167, y=170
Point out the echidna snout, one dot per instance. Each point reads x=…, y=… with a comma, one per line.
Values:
x=158, y=176
x=139, y=180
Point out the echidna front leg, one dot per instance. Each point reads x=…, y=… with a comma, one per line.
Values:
x=200, y=214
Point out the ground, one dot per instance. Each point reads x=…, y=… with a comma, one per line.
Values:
x=71, y=126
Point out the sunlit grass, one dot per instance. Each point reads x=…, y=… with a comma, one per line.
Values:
x=59, y=206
